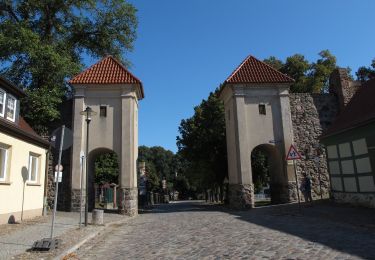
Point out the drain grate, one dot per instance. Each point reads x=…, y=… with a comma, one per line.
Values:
x=45, y=244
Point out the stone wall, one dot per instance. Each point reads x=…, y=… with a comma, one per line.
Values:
x=311, y=115
x=359, y=199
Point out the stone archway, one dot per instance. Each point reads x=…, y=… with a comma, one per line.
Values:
x=257, y=111
x=113, y=93
x=93, y=156
x=278, y=181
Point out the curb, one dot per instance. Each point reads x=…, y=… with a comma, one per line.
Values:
x=89, y=237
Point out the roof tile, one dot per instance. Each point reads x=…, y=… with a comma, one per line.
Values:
x=106, y=71
x=252, y=70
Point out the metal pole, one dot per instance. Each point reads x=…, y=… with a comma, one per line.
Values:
x=81, y=195
x=295, y=174
x=57, y=180
x=87, y=172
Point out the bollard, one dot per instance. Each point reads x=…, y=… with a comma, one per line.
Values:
x=97, y=217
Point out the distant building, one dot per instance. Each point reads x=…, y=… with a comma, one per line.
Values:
x=350, y=145
x=22, y=160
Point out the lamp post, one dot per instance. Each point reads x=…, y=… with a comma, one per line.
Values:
x=88, y=113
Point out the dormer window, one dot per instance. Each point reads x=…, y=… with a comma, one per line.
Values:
x=2, y=102
x=11, y=108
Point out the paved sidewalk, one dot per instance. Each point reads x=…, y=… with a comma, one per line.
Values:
x=18, y=238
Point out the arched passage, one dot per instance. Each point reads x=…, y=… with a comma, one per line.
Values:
x=268, y=173
x=103, y=176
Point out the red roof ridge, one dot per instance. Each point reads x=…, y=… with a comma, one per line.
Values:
x=106, y=71
x=122, y=66
x=238, y=68
x=257, y=72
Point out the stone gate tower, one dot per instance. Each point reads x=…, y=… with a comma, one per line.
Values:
x=113, y=92
x=257, y=115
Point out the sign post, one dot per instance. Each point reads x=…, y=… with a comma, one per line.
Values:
x=58, y=169
x=294, y=155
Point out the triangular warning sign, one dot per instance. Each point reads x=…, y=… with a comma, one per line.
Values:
x=293, y=154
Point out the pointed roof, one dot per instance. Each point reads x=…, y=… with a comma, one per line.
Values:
x=252, y=70
x=106, y=71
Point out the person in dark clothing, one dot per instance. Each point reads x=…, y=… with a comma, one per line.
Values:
x=306, y=188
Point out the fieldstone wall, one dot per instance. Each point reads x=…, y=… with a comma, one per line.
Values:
x=128, y=201
x=241, y=196
x=311, y=115
x=361, y=199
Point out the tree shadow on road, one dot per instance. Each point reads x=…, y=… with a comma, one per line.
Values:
x=340, y=227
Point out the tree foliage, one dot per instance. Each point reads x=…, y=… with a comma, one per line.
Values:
x=366, y=73
x=42, y=43
x=106, y=168
x=309, y=77
x=162, y=160
x=260, y=169
x=202, y=144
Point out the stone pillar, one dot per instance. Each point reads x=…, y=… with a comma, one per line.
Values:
x=241, y=196
x=128, y=201
x=78, y=144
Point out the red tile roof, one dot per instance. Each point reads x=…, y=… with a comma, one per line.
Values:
x=358, y=112
x=107, y=71
x=253, y=70
x=26, y=127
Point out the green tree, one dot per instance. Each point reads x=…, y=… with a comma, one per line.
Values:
x=42, y=43
x=202, y=144
x=182, y=186
x=297, y=66
x=320, y=72
x=366, y=73
x=309, y=77
x=161, y=159
x=260, y=169
x=274, y=62
x=106, y=168
x=153, y=181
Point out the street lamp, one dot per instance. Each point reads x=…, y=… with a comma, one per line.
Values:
x=88, y=113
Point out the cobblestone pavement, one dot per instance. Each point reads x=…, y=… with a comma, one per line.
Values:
x=19, y=239
x=192, y=230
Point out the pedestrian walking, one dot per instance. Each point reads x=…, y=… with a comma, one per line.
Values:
x=306, y=188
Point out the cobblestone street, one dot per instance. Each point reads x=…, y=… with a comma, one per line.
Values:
x=194, y=230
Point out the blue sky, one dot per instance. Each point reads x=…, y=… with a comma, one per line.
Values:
x=185, y=49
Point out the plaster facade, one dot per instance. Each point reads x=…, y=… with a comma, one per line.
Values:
x=18, y=196
x=117, y=132
x=247, y=128
x=266, y=116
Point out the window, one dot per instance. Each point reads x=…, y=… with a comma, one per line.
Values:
x=3, y=163
x=11, y=108
x=2, y=102
x=262, y=109
x=103, y=111
x=33, y=168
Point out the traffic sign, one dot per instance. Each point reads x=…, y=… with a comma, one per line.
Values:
x=56, y=138
x=59, y=168
x=58, y=176
x=293, y=154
